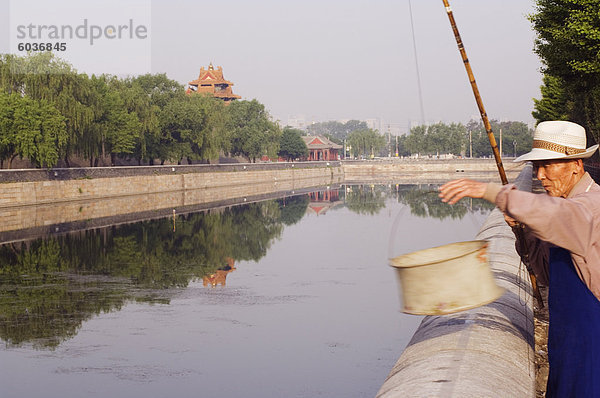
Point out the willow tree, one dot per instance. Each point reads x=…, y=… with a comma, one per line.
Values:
x=214, y=135
x=42, y=76
x=7, y=111
x=31, y=129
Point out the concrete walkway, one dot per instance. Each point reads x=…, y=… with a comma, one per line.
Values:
x=484, y=352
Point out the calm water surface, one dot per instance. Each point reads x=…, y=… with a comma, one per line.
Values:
x=284, y=298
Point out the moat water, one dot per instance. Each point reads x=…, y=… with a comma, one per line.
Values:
x=291, y=297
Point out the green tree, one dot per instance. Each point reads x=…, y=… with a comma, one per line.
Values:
x=40, y=132
x=159, y=88
x=291, y=144
x=366, y=142
x=7, y=110
x=44, y=77
x=181, y=125
x=336, y=131
x=156, y=92
x=437, y=139
x=31, y=129
x=516, y=137
x=122, y=128
x=252, y=133
x=568, y=44
x=415, y=140
x=192, y=128
x=554, y=104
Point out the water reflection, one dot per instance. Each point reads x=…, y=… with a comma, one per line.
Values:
x=424, y=202
x=50, y=286
x=322, y=201
x=366, y=199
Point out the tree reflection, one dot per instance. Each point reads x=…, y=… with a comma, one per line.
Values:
x=425, y=202
x=48, y=287
x=293, y=208
x=366, y=199
x=422, y=200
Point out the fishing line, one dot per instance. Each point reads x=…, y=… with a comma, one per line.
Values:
x=412, y=27
x=399, y=216
x=524, y=301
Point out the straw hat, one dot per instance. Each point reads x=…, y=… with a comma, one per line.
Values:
x=558, y=139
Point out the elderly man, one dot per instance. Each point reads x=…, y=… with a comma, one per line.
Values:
x=562, y=231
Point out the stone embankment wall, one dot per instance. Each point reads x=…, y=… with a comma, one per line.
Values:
x=484, y=352
x=55, y=197
x=37, y=198
x=28, y=187
x=427, y=170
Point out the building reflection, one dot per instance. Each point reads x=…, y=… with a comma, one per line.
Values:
x=220, y=276
x=322, y=201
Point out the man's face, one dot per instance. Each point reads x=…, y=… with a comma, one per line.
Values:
x=558, y=177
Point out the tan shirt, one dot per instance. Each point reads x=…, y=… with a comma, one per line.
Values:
x=572, y=223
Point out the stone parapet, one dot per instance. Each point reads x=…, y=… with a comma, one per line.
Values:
x=52, y=186
x=483, y=352
x=426, y=170
x=38, y=198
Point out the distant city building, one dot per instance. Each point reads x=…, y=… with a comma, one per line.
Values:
x=320, y=148
x=373, y=124
x=211, y=81
x=384, y=127
x=297, y=122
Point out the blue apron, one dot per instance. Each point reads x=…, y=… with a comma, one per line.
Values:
x=574, y=332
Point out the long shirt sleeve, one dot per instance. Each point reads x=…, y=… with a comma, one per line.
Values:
x=572, y=223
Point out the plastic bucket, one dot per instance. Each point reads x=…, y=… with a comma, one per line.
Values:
x=446, y=279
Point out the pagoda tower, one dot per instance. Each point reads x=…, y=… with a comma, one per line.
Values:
x=211, y=81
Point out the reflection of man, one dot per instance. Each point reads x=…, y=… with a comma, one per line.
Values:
x=562, y=230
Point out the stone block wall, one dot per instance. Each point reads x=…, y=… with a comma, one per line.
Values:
x=85, y=188
x=37, y=198
x=427, y=170
x=28, y=205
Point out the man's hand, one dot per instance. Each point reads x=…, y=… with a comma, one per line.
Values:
x=453, y=191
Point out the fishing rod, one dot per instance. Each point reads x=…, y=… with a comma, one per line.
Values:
x=518, y=229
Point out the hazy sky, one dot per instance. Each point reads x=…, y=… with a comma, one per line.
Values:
x=324, y=60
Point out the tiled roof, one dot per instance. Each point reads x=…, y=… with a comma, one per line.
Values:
x=320, y=142
x=208, y=79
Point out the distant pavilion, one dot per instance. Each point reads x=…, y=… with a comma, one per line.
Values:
x=211, y=81
x=320, y=148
